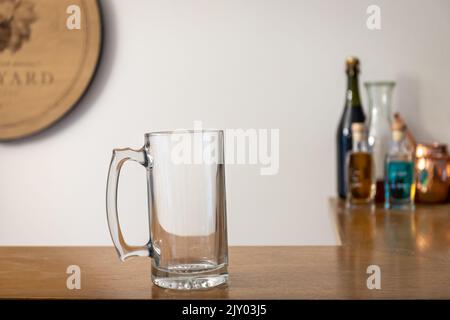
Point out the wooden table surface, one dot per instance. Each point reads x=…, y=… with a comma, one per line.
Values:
x=412, y=250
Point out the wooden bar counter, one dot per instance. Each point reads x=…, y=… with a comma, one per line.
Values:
x=411, y=249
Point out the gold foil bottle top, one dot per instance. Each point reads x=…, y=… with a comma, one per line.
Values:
x=352, y=65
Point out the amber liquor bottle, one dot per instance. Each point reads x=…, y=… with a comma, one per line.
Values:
x=360, y=169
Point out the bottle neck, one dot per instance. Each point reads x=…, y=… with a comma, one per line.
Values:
x=398, y=144
x=360, y=145
x=380, y=96
x=353, y=98
x=398, y=137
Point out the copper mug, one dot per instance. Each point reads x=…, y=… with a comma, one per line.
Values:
x=448, y=177
x=432, y=173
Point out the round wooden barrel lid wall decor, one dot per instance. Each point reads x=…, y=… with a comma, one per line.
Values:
x=49, y=50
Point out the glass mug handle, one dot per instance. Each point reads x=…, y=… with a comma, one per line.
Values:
x=119, y=157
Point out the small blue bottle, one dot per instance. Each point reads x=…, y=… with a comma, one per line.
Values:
x=400, y=184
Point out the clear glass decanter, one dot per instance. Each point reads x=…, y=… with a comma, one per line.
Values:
x=379, y=128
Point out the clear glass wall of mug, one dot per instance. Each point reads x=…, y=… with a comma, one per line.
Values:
x=187, y=207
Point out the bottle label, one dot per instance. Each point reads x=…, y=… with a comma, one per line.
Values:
x=400, y=180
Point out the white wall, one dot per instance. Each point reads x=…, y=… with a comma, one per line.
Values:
x=231, y=64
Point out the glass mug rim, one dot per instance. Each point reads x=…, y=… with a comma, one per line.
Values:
x=168, y=132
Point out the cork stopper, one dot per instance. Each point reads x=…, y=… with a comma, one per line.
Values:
x=398, y=126
x=358, y=127
x=358, y=131
x=352, y=65
x=398, y=130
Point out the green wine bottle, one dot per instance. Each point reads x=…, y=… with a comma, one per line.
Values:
x=353, y=113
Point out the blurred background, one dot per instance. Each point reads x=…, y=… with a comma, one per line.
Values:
x=230, y=64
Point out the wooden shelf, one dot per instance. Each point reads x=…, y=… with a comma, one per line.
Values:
x=412, y=249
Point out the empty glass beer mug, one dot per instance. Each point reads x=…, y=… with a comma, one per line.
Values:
x=186, y=204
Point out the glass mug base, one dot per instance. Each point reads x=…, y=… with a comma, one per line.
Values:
x=190, y=276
